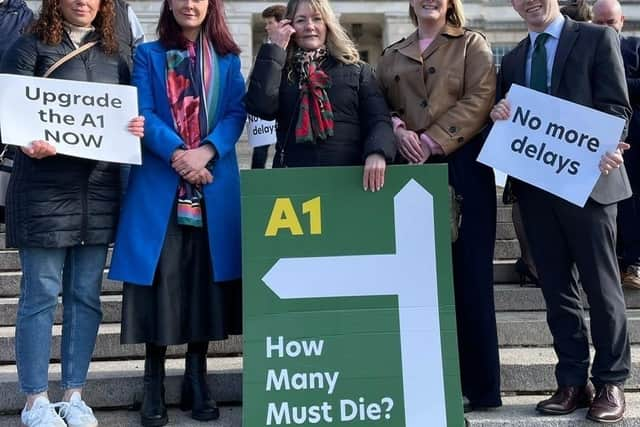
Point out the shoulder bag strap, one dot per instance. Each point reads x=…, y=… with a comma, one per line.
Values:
x=68, y=56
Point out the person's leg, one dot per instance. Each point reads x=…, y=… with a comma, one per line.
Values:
x=195, y=392
x=82, y=281
x=596, y=260
x=39, y=289
x=259, y=157
x=153, y=412
x=525, y=265
x=473, y=281
x=545, y=225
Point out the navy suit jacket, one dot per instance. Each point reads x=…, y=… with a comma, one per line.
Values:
x=587, y=70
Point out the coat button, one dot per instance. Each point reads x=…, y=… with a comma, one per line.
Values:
x=431, y=70
x=423, y=103
x=460, y=140
x=453, y=129
x=397, y=78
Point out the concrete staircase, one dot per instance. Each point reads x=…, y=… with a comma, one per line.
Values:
x=116, y=372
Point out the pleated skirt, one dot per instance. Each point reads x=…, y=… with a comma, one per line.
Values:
x=184, y=304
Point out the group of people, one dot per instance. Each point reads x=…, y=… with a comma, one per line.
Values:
x=177, y=228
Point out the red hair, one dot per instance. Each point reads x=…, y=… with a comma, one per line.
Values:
x=215, y=25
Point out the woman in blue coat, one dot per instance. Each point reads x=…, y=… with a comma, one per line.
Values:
x=178, y=242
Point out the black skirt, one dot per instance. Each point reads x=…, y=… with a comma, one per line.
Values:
x=184, y=304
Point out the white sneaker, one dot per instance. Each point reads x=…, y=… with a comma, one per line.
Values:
x=42, y=414
x=77, y=414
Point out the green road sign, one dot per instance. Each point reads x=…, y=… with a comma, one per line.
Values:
x=349, y=316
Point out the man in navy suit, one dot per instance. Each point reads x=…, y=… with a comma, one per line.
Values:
x=581, y=63
x=609, y=12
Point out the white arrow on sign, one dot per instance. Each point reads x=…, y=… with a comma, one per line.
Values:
x=410, y=274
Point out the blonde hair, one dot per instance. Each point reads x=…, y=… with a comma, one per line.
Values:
x=455, y=14
x=338, y=43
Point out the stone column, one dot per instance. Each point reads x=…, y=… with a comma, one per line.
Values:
x=240, y=26
x=396, y=26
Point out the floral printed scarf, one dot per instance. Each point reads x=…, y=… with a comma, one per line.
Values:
x=193, y=87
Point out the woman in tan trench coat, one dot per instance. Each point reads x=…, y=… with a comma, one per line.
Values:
x=440, y=85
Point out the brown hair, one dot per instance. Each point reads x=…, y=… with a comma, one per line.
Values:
x=455, y=14
x=214, y=26
x=49, y=28
x=578, y=10
x=276, y=11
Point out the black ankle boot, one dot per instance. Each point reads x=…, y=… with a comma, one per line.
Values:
x=195, y=393
x=153, y=412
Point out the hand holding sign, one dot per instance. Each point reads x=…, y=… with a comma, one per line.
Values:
x=613, y=160
x=551, y=143
x=82, y=119
x=608, y=162
x=39, y=149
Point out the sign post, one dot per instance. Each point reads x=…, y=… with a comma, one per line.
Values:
x=348, y=304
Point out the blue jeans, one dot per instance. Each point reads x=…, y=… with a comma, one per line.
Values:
x=77, y=272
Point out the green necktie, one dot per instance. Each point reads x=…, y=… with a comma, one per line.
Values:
x=539, y=64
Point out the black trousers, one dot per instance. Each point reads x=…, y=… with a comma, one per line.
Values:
x=259, y=157
x=473, y=277
x=560, y=234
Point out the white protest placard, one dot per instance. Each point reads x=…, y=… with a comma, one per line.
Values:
x=260, y=132
x=551, y=143
x=80, y=119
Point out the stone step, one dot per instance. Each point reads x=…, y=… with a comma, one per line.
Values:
x=503, y=214
x=505, y=231
x=230, y=416
x=530, y=370
x=504, y=271
x=108, y=345
x=506, y=249
x=519, y=411
x=510, y=297
x=117, y=384
x=530, y=328
x=10, y=261
x=10, y=284
x=111, y=310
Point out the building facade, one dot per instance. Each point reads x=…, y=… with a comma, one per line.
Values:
x=375, y=24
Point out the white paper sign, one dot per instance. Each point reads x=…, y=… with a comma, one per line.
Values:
x=260, y=132
x=80, y=119
x=552, y=143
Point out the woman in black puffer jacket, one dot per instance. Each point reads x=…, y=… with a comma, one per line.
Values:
x=62, y=213
x=327, y=103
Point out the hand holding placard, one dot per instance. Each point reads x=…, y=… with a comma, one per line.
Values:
x=82, y=119
x=551, y=143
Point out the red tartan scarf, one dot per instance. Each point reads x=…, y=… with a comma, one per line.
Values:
x=315, y=119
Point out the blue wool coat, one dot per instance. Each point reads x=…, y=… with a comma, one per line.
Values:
x=152, y=189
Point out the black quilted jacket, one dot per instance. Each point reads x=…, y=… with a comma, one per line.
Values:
x=62, y=201
x=362, y=123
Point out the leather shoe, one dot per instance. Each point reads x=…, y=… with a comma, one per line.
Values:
x=608, y=406
x=567, y=399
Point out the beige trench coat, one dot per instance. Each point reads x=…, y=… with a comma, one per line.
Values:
x=447, y=91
